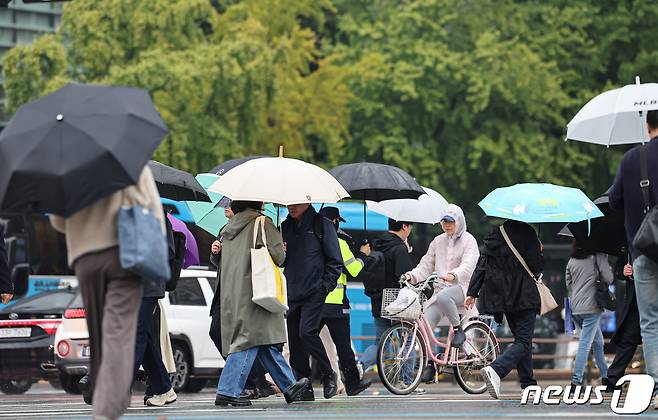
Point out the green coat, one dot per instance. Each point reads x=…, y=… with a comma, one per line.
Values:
x=245, y=324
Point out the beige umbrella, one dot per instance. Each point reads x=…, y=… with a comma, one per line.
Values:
x=279, y=180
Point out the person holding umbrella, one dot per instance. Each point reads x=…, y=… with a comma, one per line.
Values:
x=627, y=194
x=453, y=256
x=504, y=288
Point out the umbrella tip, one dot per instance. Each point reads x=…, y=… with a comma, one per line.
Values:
x=281, y=150
x=59, y=117
x=637, y=80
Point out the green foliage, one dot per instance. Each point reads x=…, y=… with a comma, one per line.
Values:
x=467, y=96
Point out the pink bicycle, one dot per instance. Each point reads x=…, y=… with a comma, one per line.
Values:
x=409, y=345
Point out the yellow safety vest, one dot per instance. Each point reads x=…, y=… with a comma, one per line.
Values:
x=353, y=265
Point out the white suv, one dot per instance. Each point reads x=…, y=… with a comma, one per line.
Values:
x=187, y=310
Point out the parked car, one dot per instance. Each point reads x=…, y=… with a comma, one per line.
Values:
x=27, y=338
x=186, y=309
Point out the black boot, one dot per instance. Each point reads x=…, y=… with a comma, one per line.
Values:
x=84, y=385
x=358, y=388
x=250, y=394
x=307, y=394
x=266, y=391
x=223, y=400
x=429, y=372
x=296, y=393
x=330, y=383
x=459, y=337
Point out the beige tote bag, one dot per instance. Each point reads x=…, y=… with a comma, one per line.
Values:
x=267, y=281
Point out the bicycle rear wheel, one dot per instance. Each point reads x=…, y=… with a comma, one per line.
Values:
x=401, y=356
x=481, y=345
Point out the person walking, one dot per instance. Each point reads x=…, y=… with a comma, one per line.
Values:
x=256, y=385
x=6, y=287
x=111, y=294
x=249, y=331
x=312, y=267
x=626, y=194
x=583, y=270
x=453, y=256
x=336, y=309
x=504, y=288
x=628, y=335
x=396, y=261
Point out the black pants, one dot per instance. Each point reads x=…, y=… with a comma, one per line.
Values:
x=304, y=319
x=256, y=378
x=518, y=354
x=147, y=352
x=339, y=328
x=627, y=339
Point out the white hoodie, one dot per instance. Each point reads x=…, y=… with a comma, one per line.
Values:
x=457, y=254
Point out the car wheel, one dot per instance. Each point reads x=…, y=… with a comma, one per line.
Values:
x=183, y=363
x=70, y=383
x=15, y=386
x=196, y=385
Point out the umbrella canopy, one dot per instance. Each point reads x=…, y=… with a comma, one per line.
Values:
x=617, y=116
x=62, y=152
x=206, y=215
x=177, y=185
x=539, y=203
x=376, y=182
x=230, y=164
x=279, y=180
x=428, y=208
x=606, y=234
x=191, y=248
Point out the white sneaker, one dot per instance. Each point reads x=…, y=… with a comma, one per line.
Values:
x=162, y=399
x=493, y=381
x=419, y=391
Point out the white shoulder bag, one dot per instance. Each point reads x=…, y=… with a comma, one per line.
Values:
x=548, y=302
x=267, y=281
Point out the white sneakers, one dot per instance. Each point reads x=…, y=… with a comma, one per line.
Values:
x=162, y=399
x=493, y=381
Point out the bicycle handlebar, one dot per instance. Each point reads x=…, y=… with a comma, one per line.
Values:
x=420, y=286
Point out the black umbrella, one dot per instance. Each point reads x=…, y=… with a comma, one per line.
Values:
x=376, y=182
x=177, y=185
x=605, y=234
x=79, y=144
x=230, y=164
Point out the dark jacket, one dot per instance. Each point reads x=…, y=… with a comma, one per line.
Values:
x=313, y=261
x=626, y=194
x=500, y=282
x=5, y=276
x=628, y=319
x=216, y=260
x=397, y=261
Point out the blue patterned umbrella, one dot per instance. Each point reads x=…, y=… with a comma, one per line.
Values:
x=540, y=203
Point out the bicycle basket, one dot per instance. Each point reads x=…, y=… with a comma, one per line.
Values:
x=405, y=304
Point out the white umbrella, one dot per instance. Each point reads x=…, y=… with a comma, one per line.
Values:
x=428, y=208
x=617, y=116
x=279, y=180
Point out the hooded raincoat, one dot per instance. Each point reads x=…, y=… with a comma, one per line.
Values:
x=457, y=254
x=245, y=324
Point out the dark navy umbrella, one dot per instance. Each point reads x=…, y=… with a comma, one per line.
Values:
x=230, y=164
x=606, y=235
x=376, y=182
x=75, y=146
x=177, y=185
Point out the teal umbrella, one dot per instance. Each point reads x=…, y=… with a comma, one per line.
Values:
x=540, y=203
x=210, y=216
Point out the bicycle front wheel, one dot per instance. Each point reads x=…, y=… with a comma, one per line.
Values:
x=481, y=347
x=401, y=357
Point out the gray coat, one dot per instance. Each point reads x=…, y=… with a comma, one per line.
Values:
x=581, y=276
x=244, y=324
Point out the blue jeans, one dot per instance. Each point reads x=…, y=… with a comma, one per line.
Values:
x=590, y=337
x=369, y=356
x=646, y=291
x=238, y=365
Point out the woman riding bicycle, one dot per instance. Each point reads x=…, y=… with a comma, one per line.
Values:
x=453, y=255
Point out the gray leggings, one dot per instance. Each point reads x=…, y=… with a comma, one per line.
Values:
x=446, y=304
